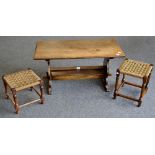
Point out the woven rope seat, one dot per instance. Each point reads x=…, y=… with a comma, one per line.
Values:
x=22, y=79
x=135, y=68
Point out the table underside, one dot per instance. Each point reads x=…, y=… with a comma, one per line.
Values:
x=78, y=73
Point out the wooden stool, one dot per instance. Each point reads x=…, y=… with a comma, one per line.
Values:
x=135, y=69
x=19, y=81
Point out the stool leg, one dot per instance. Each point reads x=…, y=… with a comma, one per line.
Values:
x=42, y=92
x=142, y=91
x=6, y=89
x=144, y=88
x=148, y=79
x=123, y=80
x=15, y=100
x=116, y=84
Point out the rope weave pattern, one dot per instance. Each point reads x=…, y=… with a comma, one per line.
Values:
x=20, y=80
x=135, y=68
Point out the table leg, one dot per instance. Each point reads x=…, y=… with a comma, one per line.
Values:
x=106, y=71
x=42, y=92
x=49, y=78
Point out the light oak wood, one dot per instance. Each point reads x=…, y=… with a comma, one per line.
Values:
x=77, y=49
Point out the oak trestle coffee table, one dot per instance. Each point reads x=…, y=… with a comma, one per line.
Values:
x=78, y=49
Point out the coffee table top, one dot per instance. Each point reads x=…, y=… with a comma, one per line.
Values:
x=77, y=49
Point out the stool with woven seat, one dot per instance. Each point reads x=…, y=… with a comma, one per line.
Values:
x=135, y=69
x=19, y=81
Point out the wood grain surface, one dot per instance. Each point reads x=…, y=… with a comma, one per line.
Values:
x=77, y=49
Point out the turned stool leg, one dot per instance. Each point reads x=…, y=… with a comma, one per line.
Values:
x=5, y=87
x=15, y=101
x=143, y=89
x=42, y=92
x=116, y=84
x=123, y=80
x=148, y=79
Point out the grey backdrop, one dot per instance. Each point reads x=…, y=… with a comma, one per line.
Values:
x=84, y=98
